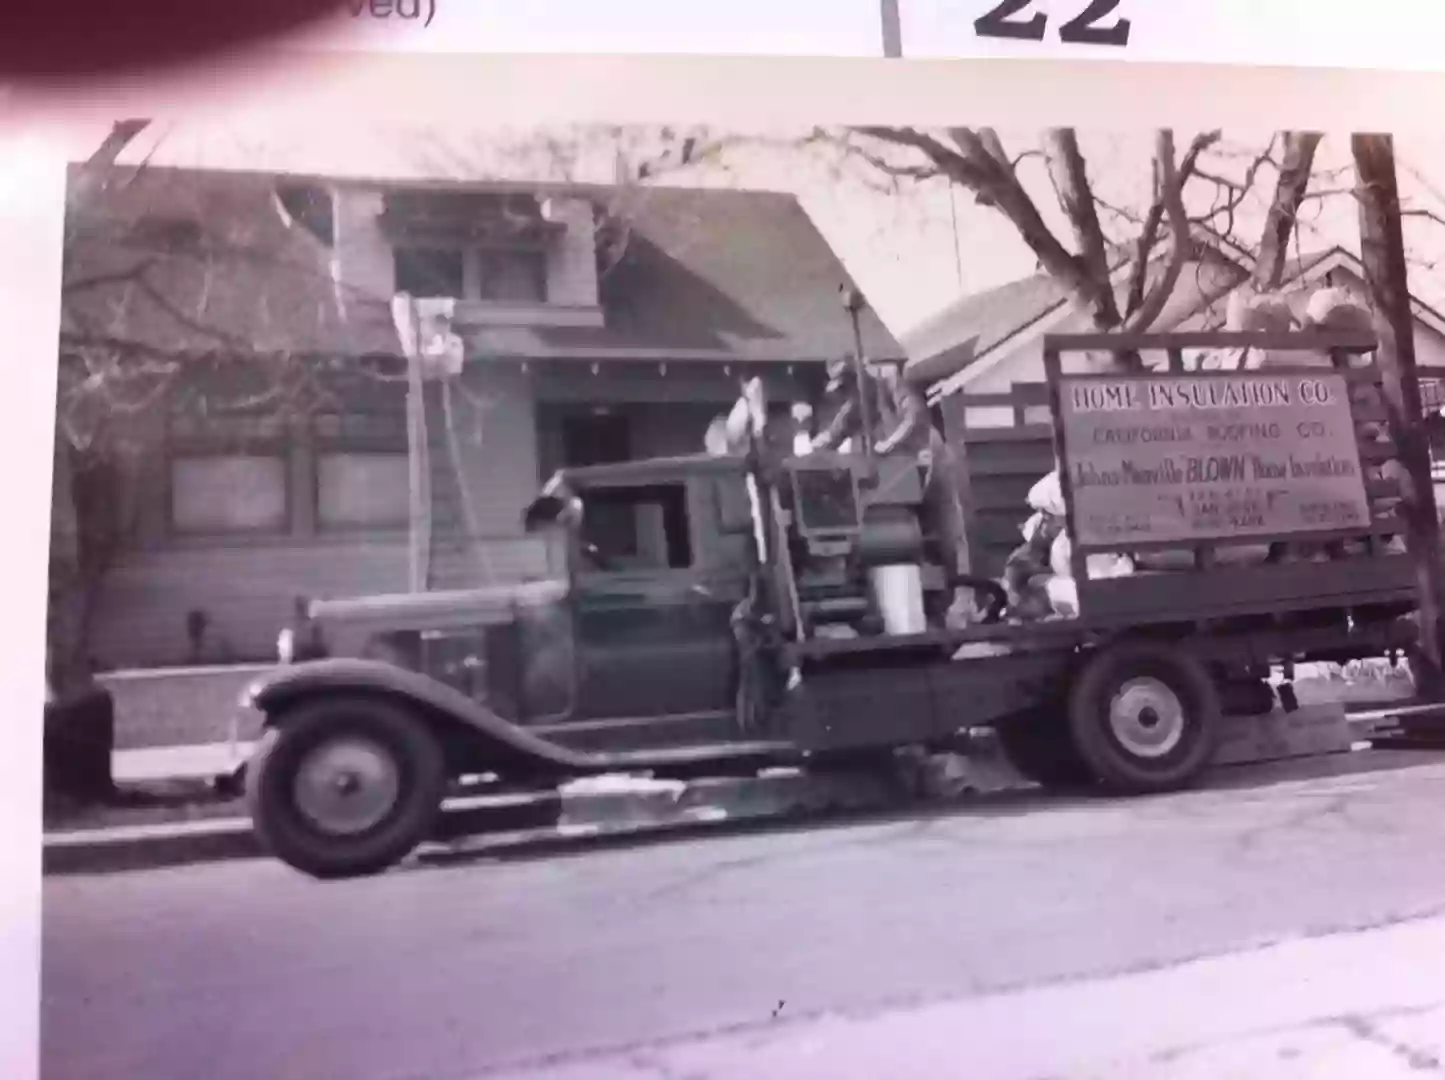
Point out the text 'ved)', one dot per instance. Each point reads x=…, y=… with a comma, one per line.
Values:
x=421, y=12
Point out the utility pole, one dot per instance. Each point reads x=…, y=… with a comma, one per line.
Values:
x=1382, y=251
x=892, y=29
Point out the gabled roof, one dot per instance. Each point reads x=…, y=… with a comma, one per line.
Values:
x=716, y=273
x=706, y=274
x=991, y=317
x=999, y=315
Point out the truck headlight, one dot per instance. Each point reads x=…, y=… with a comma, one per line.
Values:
x=286, y=646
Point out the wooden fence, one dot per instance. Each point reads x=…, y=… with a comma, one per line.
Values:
x=1009, y=442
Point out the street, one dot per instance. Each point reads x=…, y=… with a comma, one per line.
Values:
x=445, y=972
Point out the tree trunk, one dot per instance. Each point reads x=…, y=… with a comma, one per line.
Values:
x=65, y=645
x=1382, y=250
x=1070, y=177
x=66, y=611
x=1279, y=227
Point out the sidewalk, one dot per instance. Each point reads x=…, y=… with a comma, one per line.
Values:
x=1349, y=1006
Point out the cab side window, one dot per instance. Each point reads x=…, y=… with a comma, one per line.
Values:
x=639, y=528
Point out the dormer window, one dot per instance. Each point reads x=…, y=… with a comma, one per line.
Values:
x=498, y=275
x=518, y=275
x=470, y=246
x=430, y=271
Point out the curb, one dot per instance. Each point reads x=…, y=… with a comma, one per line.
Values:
x=483, y=822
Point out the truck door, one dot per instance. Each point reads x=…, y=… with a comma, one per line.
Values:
x=652, y=622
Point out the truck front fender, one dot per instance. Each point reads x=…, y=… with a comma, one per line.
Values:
x=274, y=692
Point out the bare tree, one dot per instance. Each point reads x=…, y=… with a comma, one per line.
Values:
x=1156, y=244
x=1383, y=255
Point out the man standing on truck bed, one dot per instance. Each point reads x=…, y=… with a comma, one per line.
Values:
x=904, y=426
x=848, y=391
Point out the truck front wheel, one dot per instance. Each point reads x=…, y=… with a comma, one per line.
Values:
x=1144, y=717
x=341, y=787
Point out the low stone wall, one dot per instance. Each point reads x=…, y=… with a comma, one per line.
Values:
x=1360, y=682
x=179, y=706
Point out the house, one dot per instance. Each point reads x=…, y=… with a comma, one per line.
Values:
x=1005, y=326
x=599, y=324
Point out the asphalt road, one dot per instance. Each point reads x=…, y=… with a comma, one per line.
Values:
x=245, y=970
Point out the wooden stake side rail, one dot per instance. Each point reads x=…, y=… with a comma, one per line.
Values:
x=1293, y=341
x=1253, y=636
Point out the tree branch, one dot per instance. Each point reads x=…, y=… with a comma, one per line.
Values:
x=978, y=162
x=1294, y=179
x=1171, y=193
x=1235, y=192
x=1076, y=198
x=1149, y=234
x=122, y=134
x=113, y=277
x=1428, y=215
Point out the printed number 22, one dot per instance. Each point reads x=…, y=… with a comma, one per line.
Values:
x=1083, y=29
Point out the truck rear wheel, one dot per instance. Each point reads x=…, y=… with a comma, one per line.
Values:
x=1144, y=717
x=1040, y=746
x=343, y=787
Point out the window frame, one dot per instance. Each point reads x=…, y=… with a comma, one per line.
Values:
x=687, y=535
x=434, y=248
x=482, y=253
x=204, y=445
x=388, y=438
x=474, y=257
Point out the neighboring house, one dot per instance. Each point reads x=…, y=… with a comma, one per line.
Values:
x=1005, y=326
x=599, y=324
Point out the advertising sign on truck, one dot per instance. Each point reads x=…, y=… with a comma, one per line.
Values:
x=1180, y=458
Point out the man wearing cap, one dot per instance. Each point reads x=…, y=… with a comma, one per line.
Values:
x=847, y=423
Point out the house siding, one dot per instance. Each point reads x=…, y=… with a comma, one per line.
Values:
x=572, y=261
x=362, y=253
x=495, y=422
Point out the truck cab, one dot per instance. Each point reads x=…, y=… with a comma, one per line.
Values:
x=657, y=556
x=626, y=643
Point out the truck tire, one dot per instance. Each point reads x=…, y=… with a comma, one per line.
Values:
x=343, y=787
x=1144, y=717
x=1040, y=747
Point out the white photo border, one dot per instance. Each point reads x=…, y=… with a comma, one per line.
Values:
x=43, y=132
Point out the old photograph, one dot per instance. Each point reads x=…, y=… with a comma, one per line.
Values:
x=520, y=598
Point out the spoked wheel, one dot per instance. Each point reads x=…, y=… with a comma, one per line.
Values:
x=1040, y=746
x=345, y=787
x=1144, y=717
